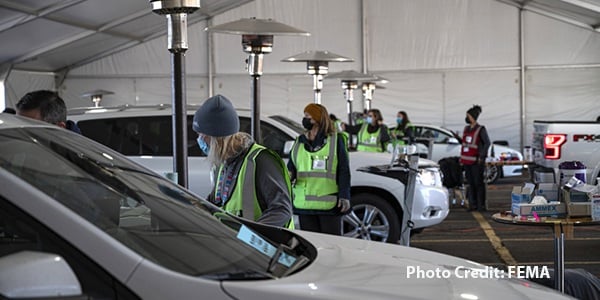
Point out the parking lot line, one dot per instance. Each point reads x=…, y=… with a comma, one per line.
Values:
x=496, y=242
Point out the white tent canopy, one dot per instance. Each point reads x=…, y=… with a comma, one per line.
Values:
x=519, y=60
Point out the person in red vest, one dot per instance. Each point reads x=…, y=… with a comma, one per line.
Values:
x=475, y=144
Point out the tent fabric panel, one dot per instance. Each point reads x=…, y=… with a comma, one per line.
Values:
x=133, y=91
x=334, y=25
x=407, y=35
x=20, y=83
x=74, y=52
x=151, y=58
x=550, y=42
x=497, y=92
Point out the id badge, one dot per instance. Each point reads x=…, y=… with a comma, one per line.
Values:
x=373, y=140
x=469, y=139
x=319, y=163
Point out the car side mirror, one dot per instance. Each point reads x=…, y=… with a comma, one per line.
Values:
x=33, y=274
x=287, y=147
x=453, y=140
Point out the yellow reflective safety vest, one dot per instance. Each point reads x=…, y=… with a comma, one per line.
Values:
x=316, y=186
x=369, y=142
x=398, y=135
x=242, y=201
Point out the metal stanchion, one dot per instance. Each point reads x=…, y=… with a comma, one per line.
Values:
x=409, y=193
x=559, y=261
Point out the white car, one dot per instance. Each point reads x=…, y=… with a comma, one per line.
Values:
x=447, y=143
x=144, y=135
x=80, y=221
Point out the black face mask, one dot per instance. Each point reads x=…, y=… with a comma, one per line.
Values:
x=467, y=120
x=307, y=124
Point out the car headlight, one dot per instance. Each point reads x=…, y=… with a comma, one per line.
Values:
x=429, y=177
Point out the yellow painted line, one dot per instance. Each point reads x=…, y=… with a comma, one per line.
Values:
x=448, y=241
x=541, y=239
x=495, y=240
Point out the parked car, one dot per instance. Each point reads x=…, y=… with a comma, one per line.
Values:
x=80, y=221
x=447, y=143
x=144, y=135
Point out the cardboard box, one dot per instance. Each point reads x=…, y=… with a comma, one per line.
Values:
x=556, y=209
x=579, y=209
x=522, y=194
x=572, y=196
x=548, y=190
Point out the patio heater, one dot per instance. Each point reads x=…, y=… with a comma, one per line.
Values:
x=317, y=64
x=96, y=96
x=350, y=81
x=368, y=88
x=257, y=40
x=176, y=12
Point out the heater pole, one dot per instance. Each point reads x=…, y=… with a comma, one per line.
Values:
x=255, y=126
x=176, y=13
x=179, y=119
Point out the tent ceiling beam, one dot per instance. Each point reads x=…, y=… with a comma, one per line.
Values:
x=32, y=15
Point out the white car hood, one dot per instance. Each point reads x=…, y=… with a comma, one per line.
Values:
x=348, y=268
x=361, y=159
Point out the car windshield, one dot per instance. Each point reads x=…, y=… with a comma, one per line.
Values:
x=149, y=214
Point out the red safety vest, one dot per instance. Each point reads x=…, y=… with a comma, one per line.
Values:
x=469, y=151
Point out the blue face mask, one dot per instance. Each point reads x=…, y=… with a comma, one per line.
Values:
x=399, y=120
x=203, y=145
x=369, y=120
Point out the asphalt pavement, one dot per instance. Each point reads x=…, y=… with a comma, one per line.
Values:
x=475, y=236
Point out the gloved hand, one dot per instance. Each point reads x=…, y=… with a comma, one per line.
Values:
x=344, y=204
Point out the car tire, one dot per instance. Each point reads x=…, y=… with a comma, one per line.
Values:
x=491, y=174
x=371, y=218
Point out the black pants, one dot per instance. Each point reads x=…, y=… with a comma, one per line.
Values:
x=321, y=223
x=474, y=174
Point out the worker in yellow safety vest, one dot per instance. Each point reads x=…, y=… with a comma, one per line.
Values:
x=251, y=181
x=320, y=172
x=372, y=135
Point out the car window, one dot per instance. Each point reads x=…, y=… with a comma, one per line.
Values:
x=439, y=137
x=273, y=138
x=136, y=136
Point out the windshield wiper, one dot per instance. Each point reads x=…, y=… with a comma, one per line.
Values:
x=241, y=275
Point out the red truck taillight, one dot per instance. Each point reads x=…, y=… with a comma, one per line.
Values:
x=552, y=144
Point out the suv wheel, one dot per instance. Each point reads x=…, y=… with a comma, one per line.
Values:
x=372, y=218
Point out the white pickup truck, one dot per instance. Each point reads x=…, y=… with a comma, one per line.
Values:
x=558, y=141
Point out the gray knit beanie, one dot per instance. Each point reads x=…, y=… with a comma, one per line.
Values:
x=216, y=117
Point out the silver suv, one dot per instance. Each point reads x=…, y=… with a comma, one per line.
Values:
x=143, y=133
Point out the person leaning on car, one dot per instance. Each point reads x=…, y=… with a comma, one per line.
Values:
x=372, y=135
x=472, y=156
x=251, y=181
x=320, y=171
x=46, y=106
